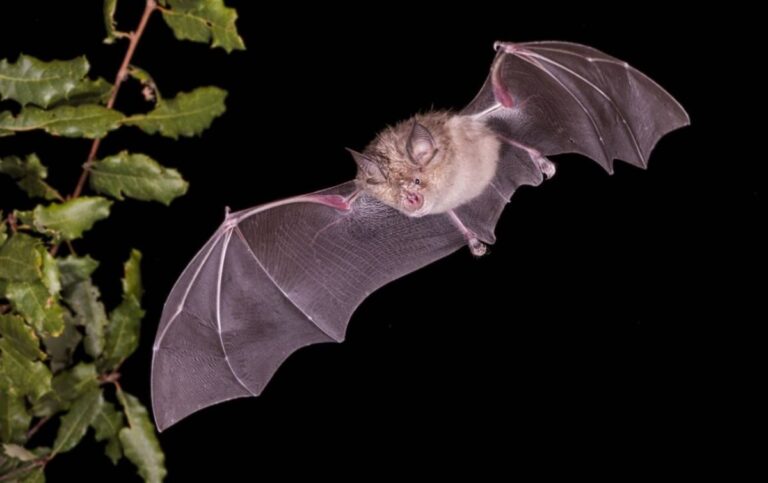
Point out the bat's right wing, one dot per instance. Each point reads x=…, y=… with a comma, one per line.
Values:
x=276, y=278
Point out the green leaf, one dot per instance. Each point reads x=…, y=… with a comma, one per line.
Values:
x=21, y=336
x=122, y=333
x=51, y=276
x=204, y=21
x=139, y=440
x=75, y=269
x=69, y=219
x=75, y=423
x=3, y=230
x=136, y=176
x=29, y=174
x=107, y=425
x=132, y=276
x=188, y=114
x=19, y=452
x=109, y=21
x=83, y=121
x=150, y=91
x=60, y=348
x=83, y=299
x=88, y=91
x=37, y=475
x=14, y=418
x=21, y=258
x=32, y=81
x=29, y=377
x=67, y=387
x=36, y=304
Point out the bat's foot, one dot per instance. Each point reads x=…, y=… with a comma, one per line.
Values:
x=477, y=247
x=546, y=166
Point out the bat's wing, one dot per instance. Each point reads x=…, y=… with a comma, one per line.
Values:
x=547, y=98
x=276, y=278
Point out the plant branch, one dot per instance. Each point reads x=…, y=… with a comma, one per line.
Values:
x=122, y=73
x=37, y=426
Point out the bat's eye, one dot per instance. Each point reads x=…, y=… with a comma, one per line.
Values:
x=417, y=181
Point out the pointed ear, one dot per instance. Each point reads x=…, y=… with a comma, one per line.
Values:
x=421, y=145
x=369, y=167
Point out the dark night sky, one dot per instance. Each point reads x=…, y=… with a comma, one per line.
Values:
x=593, y=328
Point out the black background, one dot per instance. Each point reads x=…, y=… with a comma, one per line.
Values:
x=596, y=332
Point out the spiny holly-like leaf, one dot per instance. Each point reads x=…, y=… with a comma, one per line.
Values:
x=188, y=114
x=29, y=377
x=75, y=423
x=136, y=176
x=139, y=440
x=21, y=336
x=32, y=81
x=67, y=387
x=124, y=321
x=109, y=21
x=30, y=175
x=107, y=425
x=83, y=121
x=88, y=91
x=122, y=333
x=204, y=21
x=14, y=418
x=18, y=452
x=60, y=348
x=69, y=219
x=75, y=269
x=21, y=258
x=51, y=276
x=83, y=299
x=35, y=303
x=131, y=282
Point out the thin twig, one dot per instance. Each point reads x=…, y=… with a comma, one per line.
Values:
x=122, y=73
x=12, y=222
x=12, y=475
x=37, y=426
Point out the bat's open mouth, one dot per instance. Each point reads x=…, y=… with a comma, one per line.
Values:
x=413, y=201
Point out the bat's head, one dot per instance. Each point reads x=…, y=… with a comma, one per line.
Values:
x=402, y=166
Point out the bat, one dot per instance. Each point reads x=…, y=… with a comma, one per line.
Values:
x=283, y=275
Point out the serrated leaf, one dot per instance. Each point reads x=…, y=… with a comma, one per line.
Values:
x=60, y=348
x=109, y=20
x=35, y=303
x=188, y=114
x=14, y=418
x=84, y=121
x=18, y=452
x=29, y=377
x=37, y=475
x=88, y=91
x=51, y=276
x=29, y=174
x=137, y=176
x=66, y=387
x=139, y=440
x=75, y=423
x=107, y=425
x=69, y=219
x=74, y=269
x=131, y=282
x=83, y=299
x=22, y=336
x=122, y=333
x=21, y=258
x=204, y=21
x=33, y=81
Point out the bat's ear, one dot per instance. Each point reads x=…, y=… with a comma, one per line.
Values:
x=421, y=145
x=371, y=168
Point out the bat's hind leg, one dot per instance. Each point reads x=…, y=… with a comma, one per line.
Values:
x=477, y=247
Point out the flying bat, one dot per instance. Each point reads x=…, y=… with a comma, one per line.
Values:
x=283, y=275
